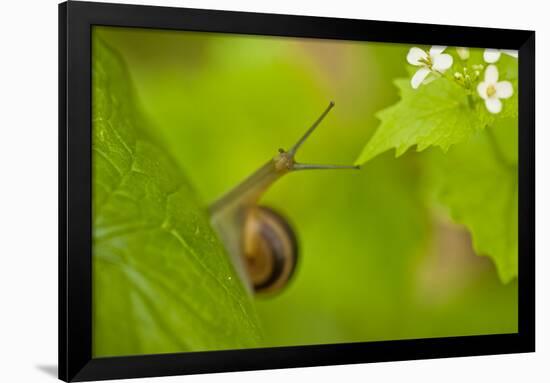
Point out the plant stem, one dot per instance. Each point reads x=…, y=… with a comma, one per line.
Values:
x=471, y=102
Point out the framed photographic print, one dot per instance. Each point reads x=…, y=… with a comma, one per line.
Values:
x=248, y=191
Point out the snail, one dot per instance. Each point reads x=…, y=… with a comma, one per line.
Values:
x=262, y=244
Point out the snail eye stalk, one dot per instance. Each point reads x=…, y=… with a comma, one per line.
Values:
x=298, y=166
x=297, y=145
x=292, y=152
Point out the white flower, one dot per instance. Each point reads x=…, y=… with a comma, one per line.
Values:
x=492, y=55
x=434, y=60
x=492, y=90
x=463, y=53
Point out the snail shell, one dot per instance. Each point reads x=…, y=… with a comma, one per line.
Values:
x=270, y=249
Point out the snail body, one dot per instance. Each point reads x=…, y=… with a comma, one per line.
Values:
x=262, y=244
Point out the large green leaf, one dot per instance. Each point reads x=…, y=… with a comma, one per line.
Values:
x=478, y=182
x=162, y=281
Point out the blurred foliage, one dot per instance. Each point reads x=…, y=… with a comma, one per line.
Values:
x=379, y=256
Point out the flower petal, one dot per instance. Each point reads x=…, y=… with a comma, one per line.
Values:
x=510, y=52
x=437, y=49
x=494, y=105
x=482, y=90
x=415, y=54
x=442, y=62
x=419, y=76
x=429, y=79
x=491, y=74
x=504, y=89
x=491, y=55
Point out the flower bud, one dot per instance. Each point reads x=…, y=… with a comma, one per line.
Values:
x=463, y=53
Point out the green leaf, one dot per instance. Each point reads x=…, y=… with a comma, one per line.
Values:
x=162, y=281
x=478, y=179
x=435, y=114
x=478, y=182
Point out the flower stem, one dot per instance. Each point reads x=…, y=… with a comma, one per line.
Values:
x=471, y=102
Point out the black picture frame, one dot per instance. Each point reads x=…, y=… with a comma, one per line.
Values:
x=75, y=230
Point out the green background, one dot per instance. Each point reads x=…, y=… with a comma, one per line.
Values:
x=379, y=259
